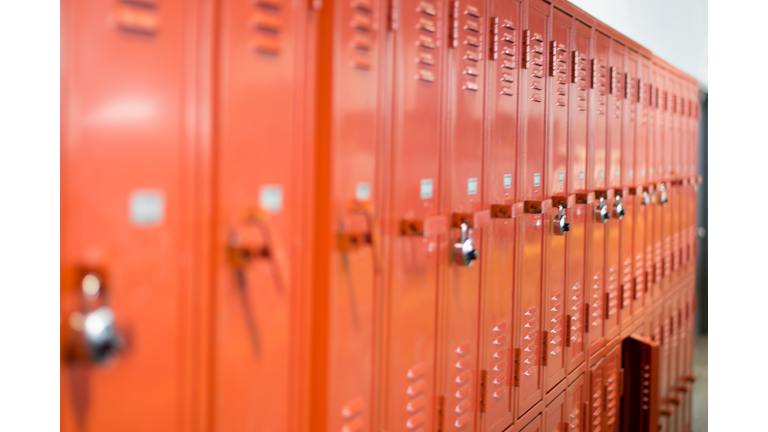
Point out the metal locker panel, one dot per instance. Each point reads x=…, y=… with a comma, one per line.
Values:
x=612, y=371
x=595, y=403
x=555, y=415
x=613, y=276
x=347, y=245
x=461, y=178
x=595, y=282
x=578, y=214
x=258, y=199
x=667, y=100
x=641, y=189
x=575, y=405
x=640, y=403
x=531, y=179
x=499, y=194
x=555, y=234
x=124, y=151
x=416, y=225
x=627, y=190
x=674, y=167
x=660, y=198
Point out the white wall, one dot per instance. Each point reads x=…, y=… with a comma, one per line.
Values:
x=675, y=30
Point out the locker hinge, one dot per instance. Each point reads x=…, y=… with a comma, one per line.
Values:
x=568, y=331
x=394, y=15
x=544, y=348
x=565, y=426
x=453, y=25
x=526, y=48
x=483, y=387
x=584, y=415
x=494, y=38
x=440, y=412
x=586, y=317
x=607, y=306
x=621, y=382
x=553, y=58
x=517, y=367
x=593, y=81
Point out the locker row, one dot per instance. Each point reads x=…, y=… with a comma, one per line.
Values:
x=372, y=215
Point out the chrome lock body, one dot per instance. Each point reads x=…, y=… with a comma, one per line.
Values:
x=560, y=225
x=618, y=208
x=464, y=252
x=602, y=211
x=663, y=194
x=646, y=199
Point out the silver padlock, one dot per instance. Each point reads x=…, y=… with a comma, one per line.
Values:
x=646, y=199
x=464, y=252
x=100, y=333
x=560, y=225
x=603, y=213
x=618, y=208
x=663, y=194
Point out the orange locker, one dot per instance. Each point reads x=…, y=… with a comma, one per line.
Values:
x=613, y=382
x=575, y=405
x=614, y=115
x=579, y=213
x=665, y=170
x=600, y=212
x=535, y=425
x=125, y=153
x=461, y=175
x=642, y=192
x=416, y=227
x=627, y=183
x=557, y=226
x=496, y=362
x=659, y=199
x=555, y=415
x=595, y=402
x=674, y=169
x=347, y=248
x=530, y=234
x=650, y=183
x=640, y=404
x=259, y=199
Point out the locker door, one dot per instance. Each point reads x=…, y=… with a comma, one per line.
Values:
x=674, y=168
x=612, y=370
x=650, y=212
x=124, y=151
x=556, y=164
x=690, y=171
x=596, y=400
x=575, y=405
x=665, y=321
x=531, y=182
x=555, y=415
x=575, y=296
x=642, y=192
x=499, y=194
x=628, y=182
x=462, y=180
x=682, y=183
x=667, y=101
x=613, y=182
x=659, y=199
x=347, y=246
x=599, y=211
x=413, y=190
x=640, y=403
x=259, y=148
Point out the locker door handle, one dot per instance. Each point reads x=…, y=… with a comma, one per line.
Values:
x=97, y=337
x=618, y=208
x=560, y=224
x=240, y=254
x=603, y=213
x=464, y=252
x=663, y=194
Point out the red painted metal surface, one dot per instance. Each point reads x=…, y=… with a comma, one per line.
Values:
x=124, y=150
x=555, y=414
x=576, y=404
x=499, y=194
x=415, y=224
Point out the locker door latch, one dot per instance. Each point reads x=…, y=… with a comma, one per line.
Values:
x=602, y=211
x=464, y=252
x=95, y=327
x=618, y=208
x=663, y=194
x=560, y=225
